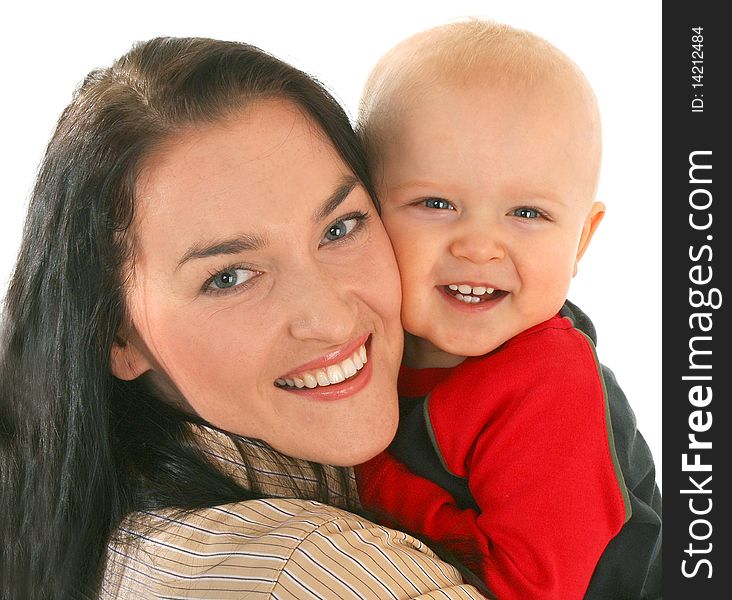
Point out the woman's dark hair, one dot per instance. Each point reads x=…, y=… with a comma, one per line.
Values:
x=80, y=449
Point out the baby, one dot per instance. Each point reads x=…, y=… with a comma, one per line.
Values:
x=485, y=146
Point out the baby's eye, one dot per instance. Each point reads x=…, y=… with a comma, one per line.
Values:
x=438, y=203
x=229, y=278
x=343, y=228
x=526, y=212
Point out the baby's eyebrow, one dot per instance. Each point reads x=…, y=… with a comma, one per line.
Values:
x=419, y=183
x=538, y=197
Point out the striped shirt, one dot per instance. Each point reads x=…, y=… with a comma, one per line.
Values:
x=280, y=548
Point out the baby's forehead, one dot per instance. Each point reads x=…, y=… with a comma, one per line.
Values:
x=479, y=98
x=532, y=127
x=526, y=75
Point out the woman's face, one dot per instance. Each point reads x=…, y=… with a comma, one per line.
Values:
x=262, y=273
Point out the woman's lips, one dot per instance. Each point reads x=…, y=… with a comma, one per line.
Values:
x=331, y=357
x=337, y=391
x=333, y=369
x=328, y=374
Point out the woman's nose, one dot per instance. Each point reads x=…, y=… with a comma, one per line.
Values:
x=324, y=308
x=478, y=244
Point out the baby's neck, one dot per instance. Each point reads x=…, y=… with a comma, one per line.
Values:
x=420, y=353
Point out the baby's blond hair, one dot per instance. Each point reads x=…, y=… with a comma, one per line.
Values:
x=456, y=53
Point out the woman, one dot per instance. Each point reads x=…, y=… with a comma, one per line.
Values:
x=194, y=304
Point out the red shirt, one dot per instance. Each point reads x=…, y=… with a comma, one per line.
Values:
x=528, y=427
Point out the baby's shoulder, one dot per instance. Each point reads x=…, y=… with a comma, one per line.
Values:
x=555, y=343
x=555, y=346
x=548, y=362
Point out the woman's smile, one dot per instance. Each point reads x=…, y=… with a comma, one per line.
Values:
x=331, y=369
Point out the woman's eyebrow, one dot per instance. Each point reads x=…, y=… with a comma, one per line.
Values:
x=240, y=243
x=248, y=242
x=334, y=200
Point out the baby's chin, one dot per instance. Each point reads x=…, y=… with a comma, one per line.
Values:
x=468, y=349
x=440, y=351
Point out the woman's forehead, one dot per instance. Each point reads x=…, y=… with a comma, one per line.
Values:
x=254, y=132
x=253, y=172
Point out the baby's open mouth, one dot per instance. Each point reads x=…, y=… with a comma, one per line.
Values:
x=472, y=294
x=330, y=375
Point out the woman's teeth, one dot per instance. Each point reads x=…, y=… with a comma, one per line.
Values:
x=470, y=294
x=329, y=375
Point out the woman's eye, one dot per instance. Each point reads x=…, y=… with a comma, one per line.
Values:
x=229, y=278
x=343, y=228
x=527, y=213
x=438, y=203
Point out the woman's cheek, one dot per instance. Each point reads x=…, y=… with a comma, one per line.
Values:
x=194, y=346
x=382, y=276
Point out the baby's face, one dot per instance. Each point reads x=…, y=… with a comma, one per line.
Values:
x=487, y=198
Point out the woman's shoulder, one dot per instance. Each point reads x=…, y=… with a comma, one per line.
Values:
x=242, y=547
x=272, y=548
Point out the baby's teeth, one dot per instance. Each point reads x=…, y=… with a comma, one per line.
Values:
x=298, y=382
x=310, y=381
x=322, y=378
x=467, y=299
x=464, y=289
x=349, y=368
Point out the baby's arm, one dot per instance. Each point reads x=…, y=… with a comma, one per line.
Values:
x=539, y=465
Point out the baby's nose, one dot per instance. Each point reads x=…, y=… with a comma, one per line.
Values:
x=478, y=246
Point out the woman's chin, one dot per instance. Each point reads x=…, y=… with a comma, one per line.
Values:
x=362, y=445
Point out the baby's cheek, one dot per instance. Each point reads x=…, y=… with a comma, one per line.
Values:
x=413, y=263
x=415, y=314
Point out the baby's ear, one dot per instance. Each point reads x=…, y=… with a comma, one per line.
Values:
x=597, y=212
x=126, y=361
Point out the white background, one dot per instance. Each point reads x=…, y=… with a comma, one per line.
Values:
x=47, y=48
